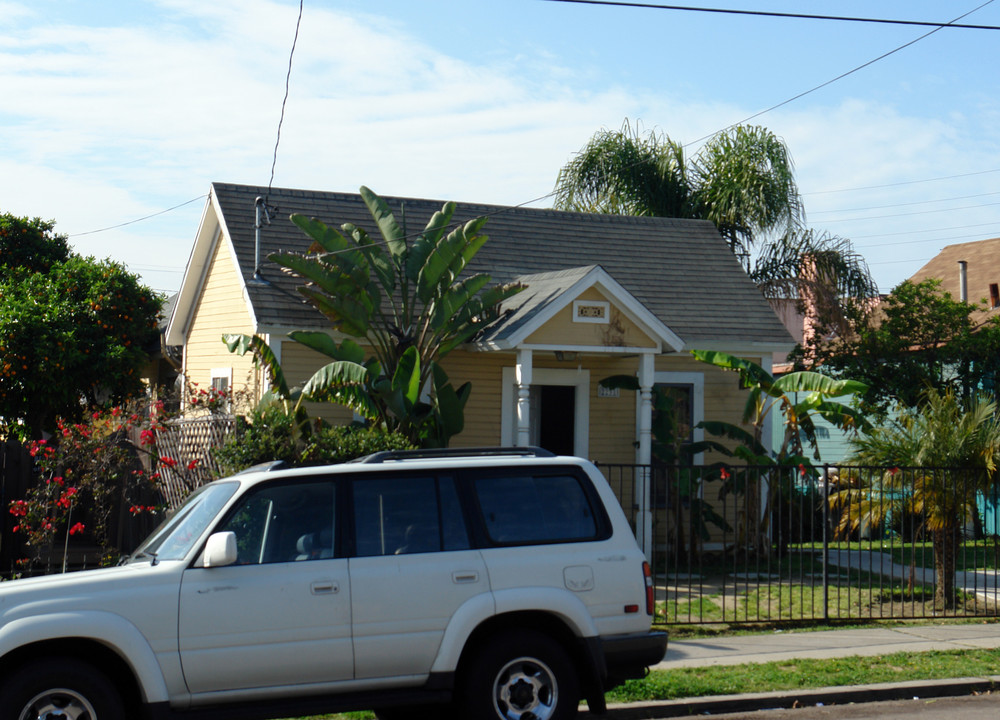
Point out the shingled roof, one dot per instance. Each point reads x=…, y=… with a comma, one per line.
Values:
x=680, y=270
x=982, y=270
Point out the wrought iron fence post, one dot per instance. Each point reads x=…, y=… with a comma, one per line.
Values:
x=826, y=542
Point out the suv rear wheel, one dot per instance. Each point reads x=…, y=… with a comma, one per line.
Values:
x=521, y=675
x=60, y=689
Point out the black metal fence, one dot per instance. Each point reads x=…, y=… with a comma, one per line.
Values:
x=740, y=544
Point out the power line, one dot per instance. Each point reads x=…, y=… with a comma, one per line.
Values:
x=907, y=182
x=930, y=230
x=132, y=222
x=922, y=212
x=288, y=80
x=830, y=82
x=909, y=204
x=797, y=16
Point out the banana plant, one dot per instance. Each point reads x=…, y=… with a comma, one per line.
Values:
x=358, y=383
x=340, y=381
x=407, y=299
x=767, y=394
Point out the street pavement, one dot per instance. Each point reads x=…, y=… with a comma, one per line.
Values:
x=781, y=646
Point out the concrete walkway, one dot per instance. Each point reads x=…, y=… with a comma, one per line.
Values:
x=981, y=582
x=779, y=645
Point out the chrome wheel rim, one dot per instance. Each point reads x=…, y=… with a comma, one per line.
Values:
x=58, y=704
x=525, y=689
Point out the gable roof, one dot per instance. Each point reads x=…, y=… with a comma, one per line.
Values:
x=547, y=293
x=680, y=271
x=982, y=270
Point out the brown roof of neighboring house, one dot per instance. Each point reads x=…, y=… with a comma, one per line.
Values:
x=682, y=271
x=982, y=270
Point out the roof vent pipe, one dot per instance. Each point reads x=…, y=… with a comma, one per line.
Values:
x=260, y=209
x=963, y=281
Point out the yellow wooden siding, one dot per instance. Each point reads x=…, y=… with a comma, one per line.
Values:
x=220, y=309
x=482, y=412
x=563, y=330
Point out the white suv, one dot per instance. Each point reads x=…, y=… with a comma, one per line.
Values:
x=492, y=584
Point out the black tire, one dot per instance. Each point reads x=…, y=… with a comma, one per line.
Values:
x=60, y=684
x=520, y=675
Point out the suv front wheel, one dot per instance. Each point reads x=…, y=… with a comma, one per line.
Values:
x=521, y=675
x=56, y=688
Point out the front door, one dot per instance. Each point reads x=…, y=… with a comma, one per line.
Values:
x=553, y=415
x=281, y=616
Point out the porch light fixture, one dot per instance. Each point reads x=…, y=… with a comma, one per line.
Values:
x=566, y=355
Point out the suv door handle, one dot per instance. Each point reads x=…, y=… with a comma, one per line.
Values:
x=465, y=576
x=324, y=587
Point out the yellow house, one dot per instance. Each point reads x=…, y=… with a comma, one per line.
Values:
x=605, y=295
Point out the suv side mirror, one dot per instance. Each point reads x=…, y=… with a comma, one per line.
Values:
x=220, y=550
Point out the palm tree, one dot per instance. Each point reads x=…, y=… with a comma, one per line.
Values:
x=742, y=180
x=936, y=437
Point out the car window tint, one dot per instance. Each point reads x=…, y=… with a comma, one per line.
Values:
x=403, y=515
x=529, y=509
x=284, y=523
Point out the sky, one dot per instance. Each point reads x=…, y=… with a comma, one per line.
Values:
x=118, y=110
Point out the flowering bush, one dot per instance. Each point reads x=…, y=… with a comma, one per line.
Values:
x=213, y=400
x=88, y=472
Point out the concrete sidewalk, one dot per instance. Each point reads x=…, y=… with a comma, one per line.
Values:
x=778, y=645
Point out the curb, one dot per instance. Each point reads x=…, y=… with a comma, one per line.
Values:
x=750, y=702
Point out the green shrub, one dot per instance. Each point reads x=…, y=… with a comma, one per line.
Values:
x=267, y=434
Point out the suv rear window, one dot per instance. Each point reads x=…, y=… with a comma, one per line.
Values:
x=531, y=509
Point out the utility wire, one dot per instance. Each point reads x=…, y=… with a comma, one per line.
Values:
x=907, y=182
x=797, y=16
x=288, y=80
x=132, y=222
x=839, y=77
x=908, y=204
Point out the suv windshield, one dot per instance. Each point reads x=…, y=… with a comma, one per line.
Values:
x=173, y=539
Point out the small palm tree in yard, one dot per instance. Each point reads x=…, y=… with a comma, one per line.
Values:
x=955, y=450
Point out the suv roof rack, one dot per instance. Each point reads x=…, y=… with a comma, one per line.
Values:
x=396, y=455
x=265, y=467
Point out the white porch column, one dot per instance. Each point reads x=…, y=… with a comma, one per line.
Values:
x=522, y=378
x=644, y=456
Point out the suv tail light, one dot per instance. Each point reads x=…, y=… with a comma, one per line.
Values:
x=647, y=573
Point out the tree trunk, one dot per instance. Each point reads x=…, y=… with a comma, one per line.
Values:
x=945, y=541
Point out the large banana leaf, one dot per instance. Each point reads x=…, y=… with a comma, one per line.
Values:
x=395, y=239
x=424, y=245
x=242, y=344
x=807, y=381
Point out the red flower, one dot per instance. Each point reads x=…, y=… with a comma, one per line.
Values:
x=78, y=528
x=724, y=474
x=168, y=461
x=802, y=470
x=193, y=464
